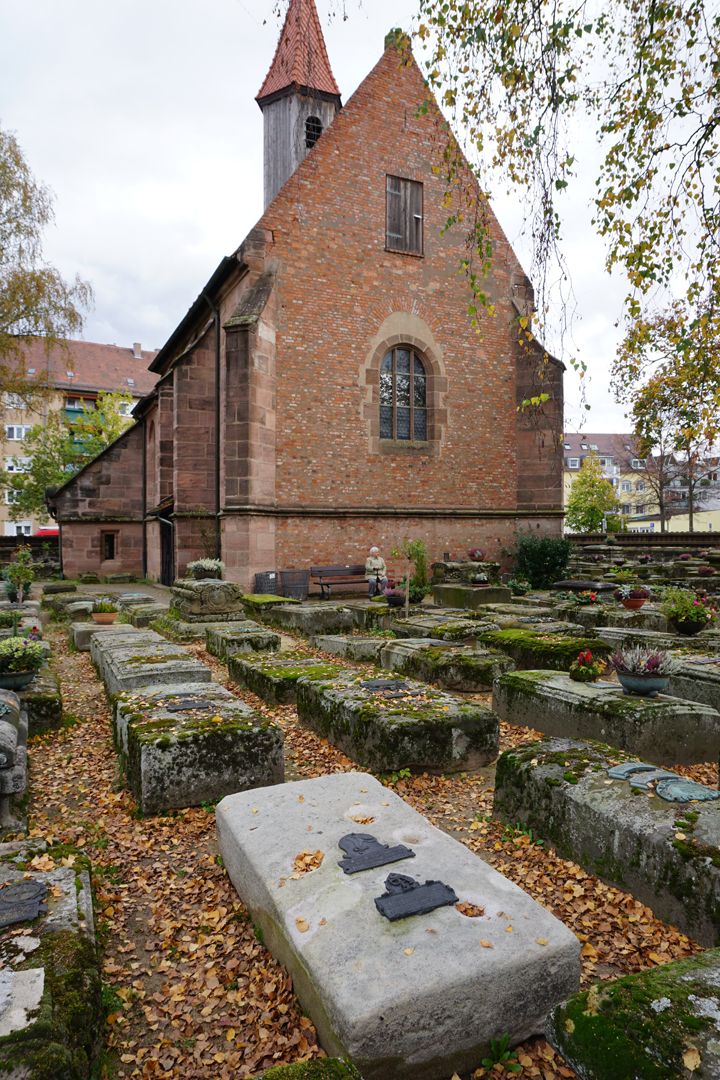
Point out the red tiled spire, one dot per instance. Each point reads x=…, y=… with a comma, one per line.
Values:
x=301, y=58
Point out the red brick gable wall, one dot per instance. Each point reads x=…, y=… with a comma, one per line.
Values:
x=337, y=286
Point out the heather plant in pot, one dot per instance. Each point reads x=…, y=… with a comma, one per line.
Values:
x=645, y=672
x=688, y=612
x=20, y=659
x=206, y=568
x=394, y=596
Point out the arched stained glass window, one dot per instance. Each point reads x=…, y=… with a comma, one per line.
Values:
x=403, y=396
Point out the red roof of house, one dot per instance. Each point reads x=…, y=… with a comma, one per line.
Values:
x=87, y=366
x=301, y=58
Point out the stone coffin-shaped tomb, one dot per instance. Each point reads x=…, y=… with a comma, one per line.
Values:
x=665, y=730
x=411, y=999
x=193, y=743
x=390, y=723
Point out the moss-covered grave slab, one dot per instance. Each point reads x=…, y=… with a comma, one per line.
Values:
x=537, y=649
x=50, y=1005
x=256, y=604
x=648, y=617
x=663, y=729
x=80, y=633
x=625, y=636
x=386, y=723
x=445, y=626
x=665, y=853
x=53, y=588
x=654, y=1025
x=414, y=999
x=275, y=678
x=143, y=658
x=193, y=743
x=368, y=614
x=467, y=596
x=240, y=637
x=451, y=666
x=310, y=619
x=142, y=615
x=349, y=647
x=42, y=700
x=320, y=1069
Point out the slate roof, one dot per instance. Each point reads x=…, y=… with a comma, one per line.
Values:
x=615, y=445
x=301, y=58
x=89, y=366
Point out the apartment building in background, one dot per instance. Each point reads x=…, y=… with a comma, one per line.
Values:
x=75, y=374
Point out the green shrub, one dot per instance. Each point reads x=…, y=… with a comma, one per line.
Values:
x=20, y=654
x=541, y=559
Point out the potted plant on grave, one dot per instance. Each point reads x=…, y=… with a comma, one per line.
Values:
x=586, y=597
x=645, y=672
x=104, y=612
x=20, y=660
x=476, y=555
x=586, y=668
x=688, y=612
x=201, y=569
x=632, y=597
x=394, y=596
x=518, y=586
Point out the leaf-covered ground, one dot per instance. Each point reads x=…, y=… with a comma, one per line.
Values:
x=190, y=990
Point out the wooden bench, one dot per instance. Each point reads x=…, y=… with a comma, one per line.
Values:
x=337, y=574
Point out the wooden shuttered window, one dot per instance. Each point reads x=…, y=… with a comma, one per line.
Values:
x=404, y=215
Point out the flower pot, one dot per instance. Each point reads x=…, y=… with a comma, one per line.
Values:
x=395, y=600
x=689, y=626
x=634, y=603
x=104, y=617
x=16, y=680
x=206, y=575
x=584, y=675
x=643, y=685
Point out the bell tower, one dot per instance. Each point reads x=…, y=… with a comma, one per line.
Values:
x=299, y=97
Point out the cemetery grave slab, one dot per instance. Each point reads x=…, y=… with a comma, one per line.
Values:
x=666, y=853
x=80, y=633
x=445, y=626
x=146, y=659
x=454, y=668
x=193, y=743
x=310, y=619
x=387, y=724
x=275, y=678
x=535, y=649
x=53, y=588
x=207, y=600
x=42, y=701
x=665, y=730
x=617, y=636
x=50, y=1004
x=141, y=615
x=350, y=648
x=412, y=999
x=240, y=637
x=698, y=679
x=657, y=1024
x=367, y=614
x=466, y=596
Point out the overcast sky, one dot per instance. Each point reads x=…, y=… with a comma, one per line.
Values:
x=140, y=116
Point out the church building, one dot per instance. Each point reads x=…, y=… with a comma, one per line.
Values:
x=327, y=389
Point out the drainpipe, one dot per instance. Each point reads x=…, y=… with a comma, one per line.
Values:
x=216, y=320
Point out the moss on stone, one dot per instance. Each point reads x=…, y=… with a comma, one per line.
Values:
x=535, y=650
x=639, y=1025
x=325, y=1069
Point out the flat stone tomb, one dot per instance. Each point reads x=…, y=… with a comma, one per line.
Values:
x=310, y=619
x=654, y=639
x=42, y=700
x=209, y=600
x=666, y=853
x=665, y=730
x=80, y=633
x=387, y=723
x=444, y=626
x=143, y=658
x=240, y=637
x=467, y=596
x=450, y=666
x=676, y=1006
x=530, y=648
x=350, y=647
x=275, y=678
x=413, y=999
x=193, y=743
x=698, y=680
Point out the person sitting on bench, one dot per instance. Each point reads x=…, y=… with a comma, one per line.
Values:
x=375, y=572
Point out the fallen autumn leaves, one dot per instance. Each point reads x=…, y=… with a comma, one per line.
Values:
x=192, y=991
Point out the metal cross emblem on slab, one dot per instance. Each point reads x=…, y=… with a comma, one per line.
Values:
x=21, y=901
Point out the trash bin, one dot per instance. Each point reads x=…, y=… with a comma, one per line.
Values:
x=295, y=583
x=268, y=582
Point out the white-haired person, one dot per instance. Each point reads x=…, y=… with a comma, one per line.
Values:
x=375, y=572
